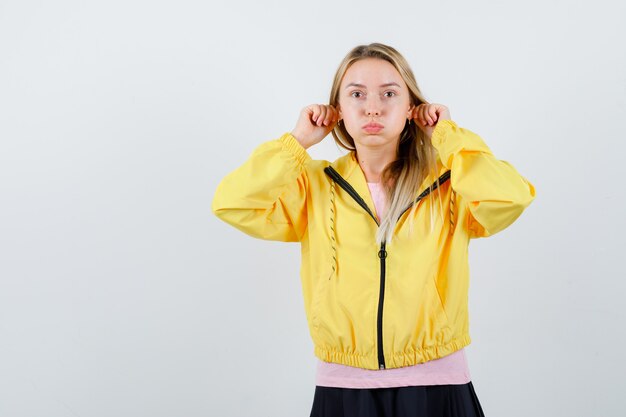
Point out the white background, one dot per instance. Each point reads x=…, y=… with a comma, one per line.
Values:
x=122, y=295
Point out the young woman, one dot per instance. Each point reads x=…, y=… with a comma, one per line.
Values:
x=384, y=232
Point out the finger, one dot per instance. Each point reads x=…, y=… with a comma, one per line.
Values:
x=444, y=112
x=316, y=113
x=322, y=116
x=329, y=116
x=433, y=114
x=415, y=114
x=422, y=115
x=416, y=111
x=425, y=115
x=332, y=115
x=335, y=114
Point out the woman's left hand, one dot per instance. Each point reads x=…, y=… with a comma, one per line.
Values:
x=426, y=115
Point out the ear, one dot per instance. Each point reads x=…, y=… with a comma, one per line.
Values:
x=410, y=111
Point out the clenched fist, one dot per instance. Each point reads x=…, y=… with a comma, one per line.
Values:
x=315, y=122
x=426, y=115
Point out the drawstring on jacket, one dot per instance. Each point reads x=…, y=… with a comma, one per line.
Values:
x=333, y=233
x=452, y=198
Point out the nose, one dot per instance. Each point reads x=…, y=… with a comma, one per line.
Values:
x=372, y=107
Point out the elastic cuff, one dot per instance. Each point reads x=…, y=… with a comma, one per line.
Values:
x=292, y=145
x=439, y=134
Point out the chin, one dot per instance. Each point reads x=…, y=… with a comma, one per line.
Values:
x=383, y=136
x=373, y=140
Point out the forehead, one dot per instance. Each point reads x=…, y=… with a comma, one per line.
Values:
x=372, y=72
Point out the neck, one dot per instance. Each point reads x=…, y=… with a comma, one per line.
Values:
x=373, y=160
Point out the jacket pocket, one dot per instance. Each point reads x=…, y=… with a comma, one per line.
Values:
x=442, y=315
x=319, y=295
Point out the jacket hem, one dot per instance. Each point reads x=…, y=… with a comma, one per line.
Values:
x=401, y=359
x=393, y=360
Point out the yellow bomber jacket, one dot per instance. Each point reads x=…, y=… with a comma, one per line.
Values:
x=367, y=305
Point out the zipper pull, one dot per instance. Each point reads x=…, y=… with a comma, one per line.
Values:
x=382, y=253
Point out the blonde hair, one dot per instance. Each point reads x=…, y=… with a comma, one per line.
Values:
x=416, y=156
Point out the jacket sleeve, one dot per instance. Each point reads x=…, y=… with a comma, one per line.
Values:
x=266, y=196
x=494, y=192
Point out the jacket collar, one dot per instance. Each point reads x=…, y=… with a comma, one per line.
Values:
x=348, y=167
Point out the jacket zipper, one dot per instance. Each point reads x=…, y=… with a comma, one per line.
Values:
x=382, y=253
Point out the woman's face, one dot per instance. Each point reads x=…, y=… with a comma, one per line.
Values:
x=372, y=91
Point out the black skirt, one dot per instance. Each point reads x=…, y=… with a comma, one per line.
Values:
x=414, y=401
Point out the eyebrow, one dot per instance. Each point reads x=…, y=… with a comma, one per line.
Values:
x=382, y=85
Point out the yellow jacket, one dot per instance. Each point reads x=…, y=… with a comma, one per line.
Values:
x=372, y=306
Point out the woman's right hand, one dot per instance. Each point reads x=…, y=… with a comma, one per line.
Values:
x=315, y=123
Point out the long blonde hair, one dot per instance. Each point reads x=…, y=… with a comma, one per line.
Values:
x=416, y=156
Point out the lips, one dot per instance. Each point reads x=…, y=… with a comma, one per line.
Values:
x=373, y=127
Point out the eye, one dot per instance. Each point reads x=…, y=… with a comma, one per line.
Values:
x=391, y=93
x=356, y=94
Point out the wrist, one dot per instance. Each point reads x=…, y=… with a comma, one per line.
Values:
x=298, y=137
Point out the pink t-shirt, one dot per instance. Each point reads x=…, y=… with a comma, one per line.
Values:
x=450, y=369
